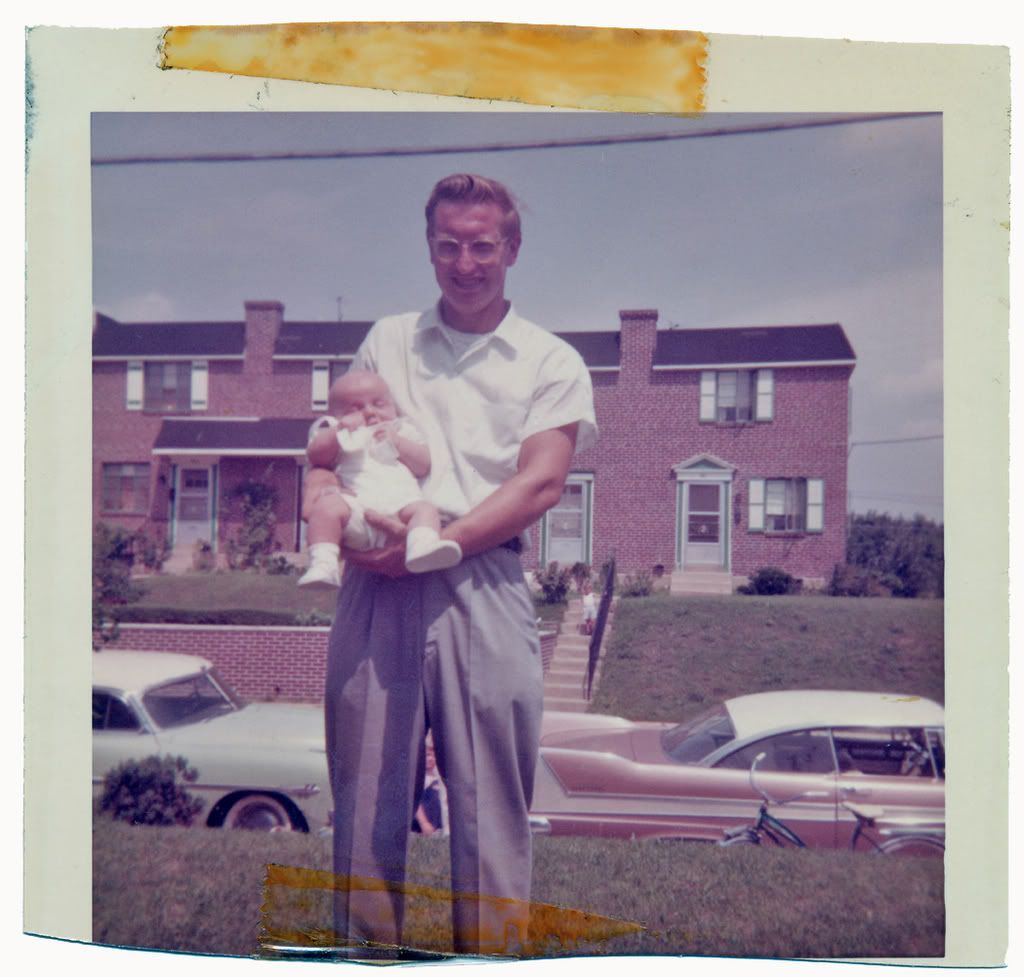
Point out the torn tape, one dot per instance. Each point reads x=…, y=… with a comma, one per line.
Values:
x=606, y=68
x=298, y=906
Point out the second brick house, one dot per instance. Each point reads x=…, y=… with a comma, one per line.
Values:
x=720, y=451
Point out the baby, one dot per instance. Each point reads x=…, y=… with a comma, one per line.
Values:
x=366, y=457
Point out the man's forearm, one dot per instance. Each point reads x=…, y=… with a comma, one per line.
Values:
x=523, y=499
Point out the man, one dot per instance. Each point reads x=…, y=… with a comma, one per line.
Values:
x=504, y=404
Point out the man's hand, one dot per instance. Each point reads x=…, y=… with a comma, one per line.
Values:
x=387, y=560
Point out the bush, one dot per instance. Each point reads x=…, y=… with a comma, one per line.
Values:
x=152, y=551
x=148, y=792
x=769, y=581
x=278, y=566
x=313, y=619
x=255, y=538
x=225, y=616
x=852, y=581
x=639, y=584
x=909, y=551
x=112, y=558
x=553, y=583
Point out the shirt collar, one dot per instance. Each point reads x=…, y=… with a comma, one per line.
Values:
x=506, y=331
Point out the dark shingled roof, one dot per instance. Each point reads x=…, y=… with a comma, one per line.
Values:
x=752, y=344
x=143, y=339
x=597, y=348
x=314, y=339
x=267, y=434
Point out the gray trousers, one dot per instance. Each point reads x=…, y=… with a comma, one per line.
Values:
x=455, y=651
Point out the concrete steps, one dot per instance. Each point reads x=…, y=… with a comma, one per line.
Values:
x=701, y=582
x=564, y=681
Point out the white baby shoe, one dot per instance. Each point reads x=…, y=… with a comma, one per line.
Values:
x=321, y=575
x=426, y=551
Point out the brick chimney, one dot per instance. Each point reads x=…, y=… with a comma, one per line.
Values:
x=262, y=324
x=638, y=328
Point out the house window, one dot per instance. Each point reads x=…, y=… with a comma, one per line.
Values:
x=786, y=505
x=126, y=489
x=737, y=396
x=167, y=386
x=324, y=374
x=566, y=530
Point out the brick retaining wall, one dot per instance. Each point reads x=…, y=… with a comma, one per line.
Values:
x=286, y=664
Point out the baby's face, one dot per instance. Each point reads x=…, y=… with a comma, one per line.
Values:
x=361, y=399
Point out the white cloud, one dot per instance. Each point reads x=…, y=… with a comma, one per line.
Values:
x=145, y=307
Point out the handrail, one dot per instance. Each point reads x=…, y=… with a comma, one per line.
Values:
x=602, y=618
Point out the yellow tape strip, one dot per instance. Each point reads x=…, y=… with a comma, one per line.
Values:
x=576, y=67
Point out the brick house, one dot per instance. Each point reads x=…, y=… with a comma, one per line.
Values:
x=721, y=450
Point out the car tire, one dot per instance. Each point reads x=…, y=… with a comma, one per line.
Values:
x=913, y=845
x=258, y=812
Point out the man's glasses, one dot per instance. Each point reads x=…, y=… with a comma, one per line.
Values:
x=481, y=251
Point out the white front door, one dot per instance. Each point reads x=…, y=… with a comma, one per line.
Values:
x=704, y=524
x=193, y=511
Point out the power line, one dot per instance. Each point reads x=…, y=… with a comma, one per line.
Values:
x=927, y=437
x=269, y=157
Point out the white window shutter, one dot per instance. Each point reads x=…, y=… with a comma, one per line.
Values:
x=815, y=505
x=321, y=383
x=200, y=384
x=133, y=399
x=755, y=505
x=765, y=395
x=707, y=395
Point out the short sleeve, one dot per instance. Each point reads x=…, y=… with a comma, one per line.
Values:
x=563, y=395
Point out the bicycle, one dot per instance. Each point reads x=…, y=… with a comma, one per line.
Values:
x=905, y=836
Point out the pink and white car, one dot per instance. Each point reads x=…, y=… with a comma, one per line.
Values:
x=884, y=753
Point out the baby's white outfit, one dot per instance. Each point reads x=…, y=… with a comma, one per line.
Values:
x=371, y=470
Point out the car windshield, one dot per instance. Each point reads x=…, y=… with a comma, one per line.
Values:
x=695, y=739
x=190, y=700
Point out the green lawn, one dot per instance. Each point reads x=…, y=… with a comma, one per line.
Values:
x=670, y=657
x=199, y=889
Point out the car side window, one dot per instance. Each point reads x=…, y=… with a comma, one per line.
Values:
x=803, y=751
x=897, y=752
x=109, y=712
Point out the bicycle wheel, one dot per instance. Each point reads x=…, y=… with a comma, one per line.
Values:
x=913, y=845
x=745, y=838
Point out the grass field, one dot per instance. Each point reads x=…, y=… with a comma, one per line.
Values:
x=201, y=890
x=671, y=657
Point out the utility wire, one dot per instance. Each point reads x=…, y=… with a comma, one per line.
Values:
x=268, y=157
x=927, y=437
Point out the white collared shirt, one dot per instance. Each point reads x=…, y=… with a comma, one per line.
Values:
x=477, y=408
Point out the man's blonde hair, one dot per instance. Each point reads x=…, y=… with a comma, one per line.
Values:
x=468, y=188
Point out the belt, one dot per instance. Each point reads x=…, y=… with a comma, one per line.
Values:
x=515, y=544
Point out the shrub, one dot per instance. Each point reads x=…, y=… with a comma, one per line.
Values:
x=112, y=559
x=152, y=551
x=148, y=791
x=853, y=581
x=278, y=565
x=553, y=583
x=186, y=615
x=640, y=584
x=255, y=538
x=313, y=619
x=911, y=551
x=770, y=581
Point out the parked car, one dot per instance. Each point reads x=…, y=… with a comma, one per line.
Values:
x=261, y=766
x=605, y=776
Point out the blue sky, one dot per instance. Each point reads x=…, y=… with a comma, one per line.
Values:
x=839, y=224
